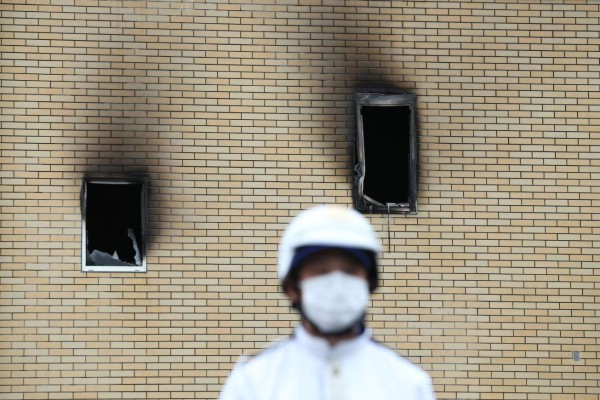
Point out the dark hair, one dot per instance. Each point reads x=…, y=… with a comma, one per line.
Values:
x=302, y=253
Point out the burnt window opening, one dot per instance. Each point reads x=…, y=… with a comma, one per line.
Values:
x=114, y=224
x=386, y=153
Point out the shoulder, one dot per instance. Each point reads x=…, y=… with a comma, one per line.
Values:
x=401, y=374
x=252, y=372
x=266, y=356
x=393, y=360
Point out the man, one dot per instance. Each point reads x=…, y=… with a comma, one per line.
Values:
x=328, y=268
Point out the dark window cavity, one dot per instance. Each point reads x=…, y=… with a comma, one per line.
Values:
x=386, y=153
x=114, y=224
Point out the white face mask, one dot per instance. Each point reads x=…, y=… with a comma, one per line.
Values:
x=334, y=301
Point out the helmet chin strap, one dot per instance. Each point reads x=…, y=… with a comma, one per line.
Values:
x=360, y=324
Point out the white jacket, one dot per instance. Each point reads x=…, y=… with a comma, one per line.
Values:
x=306, y=367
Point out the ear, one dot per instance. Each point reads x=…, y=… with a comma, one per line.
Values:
x=292, y=290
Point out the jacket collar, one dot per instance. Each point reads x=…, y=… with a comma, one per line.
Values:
x=321, y=347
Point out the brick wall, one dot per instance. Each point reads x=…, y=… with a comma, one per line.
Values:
x=240, y=113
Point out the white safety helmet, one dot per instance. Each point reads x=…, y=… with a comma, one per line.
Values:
x=328, y=226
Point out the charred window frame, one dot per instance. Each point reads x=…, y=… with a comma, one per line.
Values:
x=385, y=179
x=113, y=232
